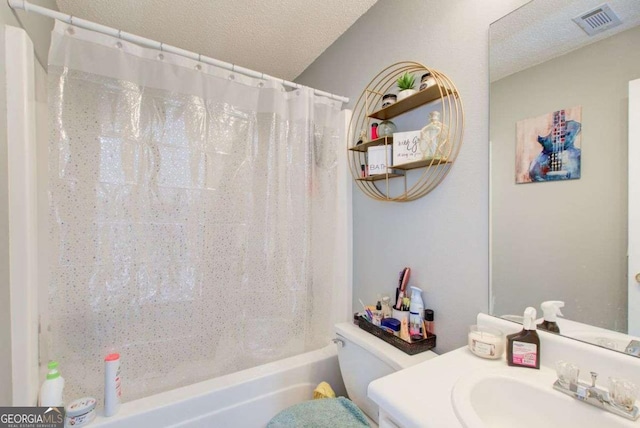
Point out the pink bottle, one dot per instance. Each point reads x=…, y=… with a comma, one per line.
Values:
x=374, y=131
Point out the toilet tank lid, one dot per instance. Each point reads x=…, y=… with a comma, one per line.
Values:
x=389, y=354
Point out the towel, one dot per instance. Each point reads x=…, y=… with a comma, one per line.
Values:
x=323, y=390
x=326, y=413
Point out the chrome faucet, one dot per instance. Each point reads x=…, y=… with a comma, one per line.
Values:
x=593, y=392
x=596, y=396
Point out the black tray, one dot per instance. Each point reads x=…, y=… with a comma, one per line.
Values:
x=406, y=347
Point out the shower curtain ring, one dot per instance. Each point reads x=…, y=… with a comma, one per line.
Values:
x=161, y=55
x=70, y=19
x=119, y=42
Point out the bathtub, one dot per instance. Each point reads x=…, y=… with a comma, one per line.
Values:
x=249, y=398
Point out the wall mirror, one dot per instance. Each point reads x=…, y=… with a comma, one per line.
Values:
x=561, y=133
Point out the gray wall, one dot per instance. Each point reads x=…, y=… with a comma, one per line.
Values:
x=443, y=237
x=566, y=240
x=38, y=27
x=39, y=30
x=447, y=244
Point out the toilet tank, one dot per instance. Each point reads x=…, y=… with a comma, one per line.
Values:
x=364, y=358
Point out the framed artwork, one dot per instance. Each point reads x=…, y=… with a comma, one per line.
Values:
x=548, y=146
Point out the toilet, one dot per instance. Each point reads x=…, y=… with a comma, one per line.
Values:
x=364, y=358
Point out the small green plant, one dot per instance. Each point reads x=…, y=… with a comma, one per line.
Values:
x=406, y=81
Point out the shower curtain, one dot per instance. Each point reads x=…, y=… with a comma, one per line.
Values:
x=192, y=217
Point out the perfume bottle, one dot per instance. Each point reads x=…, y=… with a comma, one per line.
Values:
x=386, y=307
x=428, y=321
x=434, y=139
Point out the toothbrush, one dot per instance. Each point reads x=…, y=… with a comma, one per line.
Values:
x=368, y=312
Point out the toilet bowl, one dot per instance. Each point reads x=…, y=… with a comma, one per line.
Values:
x=364, y=358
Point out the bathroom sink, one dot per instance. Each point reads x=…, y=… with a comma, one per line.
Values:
x=518, y=397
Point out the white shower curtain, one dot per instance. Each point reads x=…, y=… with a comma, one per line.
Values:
x=193, y=216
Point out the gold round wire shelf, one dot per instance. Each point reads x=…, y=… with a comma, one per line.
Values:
x=433, y=170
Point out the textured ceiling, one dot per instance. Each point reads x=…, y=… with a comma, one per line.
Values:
x=543, y=29
x=277, y=37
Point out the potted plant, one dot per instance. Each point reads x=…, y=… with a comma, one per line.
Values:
x=406, y=82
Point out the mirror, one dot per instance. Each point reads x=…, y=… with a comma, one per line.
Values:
x=559, y=214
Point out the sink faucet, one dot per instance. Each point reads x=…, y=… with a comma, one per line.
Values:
x=593, y=392
x=596, y=396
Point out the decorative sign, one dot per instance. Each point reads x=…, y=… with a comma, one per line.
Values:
x=379, y=158
x=406, y=147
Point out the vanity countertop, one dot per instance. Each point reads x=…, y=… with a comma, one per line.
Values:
x=420, y=396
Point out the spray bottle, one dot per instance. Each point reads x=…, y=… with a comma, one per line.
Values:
x=551, y=309
x=523, y=348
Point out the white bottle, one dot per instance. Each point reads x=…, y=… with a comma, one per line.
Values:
x=112, y=384
x=416, y=311
x=551, y=310
x=52, y=388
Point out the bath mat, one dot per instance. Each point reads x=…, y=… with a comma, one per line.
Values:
x=326, y=413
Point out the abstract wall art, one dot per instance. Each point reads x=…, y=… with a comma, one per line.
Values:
x=548, y=146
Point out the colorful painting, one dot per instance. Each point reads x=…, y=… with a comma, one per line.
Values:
x=548, y=146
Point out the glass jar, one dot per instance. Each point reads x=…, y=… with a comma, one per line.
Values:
x=386, y=128
x=388, y=100
x=427, y=81
x=434, y=139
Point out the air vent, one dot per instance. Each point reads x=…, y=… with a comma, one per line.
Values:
x=597, y=20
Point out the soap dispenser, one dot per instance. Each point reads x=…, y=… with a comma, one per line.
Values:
x=551, y=310
x=523, y=348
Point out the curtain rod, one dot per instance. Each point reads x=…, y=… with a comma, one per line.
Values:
x=143, y=41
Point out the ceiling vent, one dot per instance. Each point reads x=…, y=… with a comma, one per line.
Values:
x=597, y=20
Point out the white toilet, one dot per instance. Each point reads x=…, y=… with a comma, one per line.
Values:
x=364, y=358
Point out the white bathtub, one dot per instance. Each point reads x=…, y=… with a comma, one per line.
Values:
x=249, y=398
